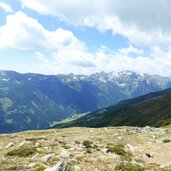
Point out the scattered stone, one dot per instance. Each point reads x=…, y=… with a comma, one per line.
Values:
x=120, y=138
x=31, y=165
x=9, y=145
x=48, y=157
x=77, y=168
x=137, y=130
x=37, y=144
x=91, y=130
x=60, y=166
x=131, y=148
x=148, y=155
x=65, y=154
x=34, y=157
x=23, y=143
x=149, y=129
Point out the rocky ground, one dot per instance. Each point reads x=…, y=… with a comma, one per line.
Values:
x=87, y=149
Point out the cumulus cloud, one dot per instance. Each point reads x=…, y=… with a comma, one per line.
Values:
x=41, y=57
x=68, y=54
x=6, y=7
x=130, y=50
x=24, y=32
x=105, y=60
x=142, y=22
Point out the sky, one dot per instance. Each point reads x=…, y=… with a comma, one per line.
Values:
x=85, y=36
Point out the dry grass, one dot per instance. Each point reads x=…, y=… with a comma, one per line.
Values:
x=90, y=149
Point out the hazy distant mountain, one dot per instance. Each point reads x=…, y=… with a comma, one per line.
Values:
x=33, y=101
x=153, y=109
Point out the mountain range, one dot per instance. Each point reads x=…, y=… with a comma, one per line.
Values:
x=35, y=101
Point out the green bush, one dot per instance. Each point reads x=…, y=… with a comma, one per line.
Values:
x=128, y=166
x=22, y=152
x=77, y=142
x=66, y=146
x=35, y=139
x=118, y=149
x=87, y=143
x=88, y=150
x=40, y=168
x=166, y=141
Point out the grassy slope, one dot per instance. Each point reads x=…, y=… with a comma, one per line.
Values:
x=71, y=141
x=153, y=109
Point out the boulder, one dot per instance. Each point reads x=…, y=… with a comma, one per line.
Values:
x=149, y=155
x=23, y=143
x=65, y=154
x=60, y=166
x=9, y=145
x=31, y=165
x=48, y=157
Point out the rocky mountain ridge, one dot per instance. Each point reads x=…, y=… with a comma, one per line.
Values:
x=35, y=101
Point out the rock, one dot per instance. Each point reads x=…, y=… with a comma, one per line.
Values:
x=131, y=148
x=65, y=154
x=120, y=138
x=31, y=165
x=60, y=166
x=148, y=155
x=34, y=157
x=9, y=145
x=24, y=143
x=91, y=130
x=137, y=130
x=77, y=168
x=48, y=157
x=104, y=150
x=37, y=144
x=149, y=129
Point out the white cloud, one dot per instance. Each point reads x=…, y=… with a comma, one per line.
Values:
x=24, y=32
x=84, y=62
x=68, y=54
x=41, y=57
x=130, y=50
x=142, y=22
x=6, y=7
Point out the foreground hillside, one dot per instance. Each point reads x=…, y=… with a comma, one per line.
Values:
x=153, y=109
x=85, y=149
x=35, y=101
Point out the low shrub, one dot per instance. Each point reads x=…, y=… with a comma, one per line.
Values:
x=40, y=168
x=128, y=166
x=35, y=139
x=166, y=141
x=22, y=152
x=119, y=150
x=88, y=150
x=87, y=143
x=116, y=148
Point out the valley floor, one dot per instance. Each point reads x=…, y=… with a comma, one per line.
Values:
x=87, y=149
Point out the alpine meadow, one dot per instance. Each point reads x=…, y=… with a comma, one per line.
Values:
x=85, y=85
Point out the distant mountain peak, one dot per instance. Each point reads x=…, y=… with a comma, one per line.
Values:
x=36, y=100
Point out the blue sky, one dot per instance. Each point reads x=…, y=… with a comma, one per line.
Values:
x=72, y=36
